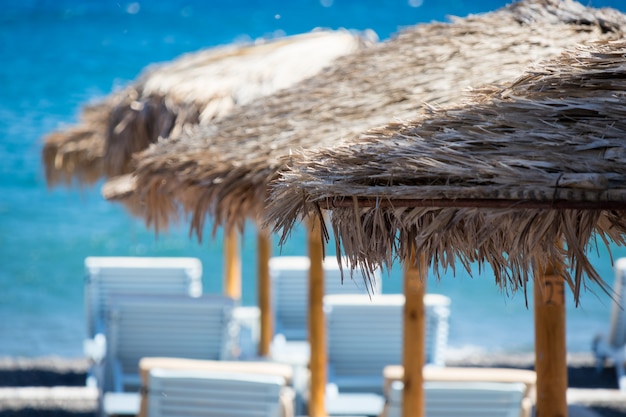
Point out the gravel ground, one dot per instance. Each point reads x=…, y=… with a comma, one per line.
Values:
x=55, y=387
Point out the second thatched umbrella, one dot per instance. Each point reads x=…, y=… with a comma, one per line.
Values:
x=222, y=171
x=523, y=178
x=196, y=88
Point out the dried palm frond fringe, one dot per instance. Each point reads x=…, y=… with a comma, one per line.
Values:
x=76, y=153
x=221, y=171
x=196, y=88
x=553, y=137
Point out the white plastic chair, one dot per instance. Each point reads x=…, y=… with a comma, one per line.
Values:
x=290, y=283
x=365, y=335
x=106, y=275
x=217, y=394
x=613, y=347
x=464, y=399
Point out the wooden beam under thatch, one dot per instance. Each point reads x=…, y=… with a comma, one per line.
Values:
x=196, y=88
x=222, y=171
x=540, y=159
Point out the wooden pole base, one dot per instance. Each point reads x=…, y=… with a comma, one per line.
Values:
x=413, y=356
x=264, y=292
x=317, y=322
x=550, y=344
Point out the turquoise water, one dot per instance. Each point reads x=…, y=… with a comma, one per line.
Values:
x=57, y=55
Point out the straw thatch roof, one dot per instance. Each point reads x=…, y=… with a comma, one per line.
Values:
x=223, y=170
x=77, y=152
x=197, y=88
x=496, y=180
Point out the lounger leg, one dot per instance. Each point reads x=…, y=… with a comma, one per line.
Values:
x=598, y=352
x=619, y=368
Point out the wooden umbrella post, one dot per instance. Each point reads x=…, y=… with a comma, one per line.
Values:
x=413, y=357
x=264, y=292
x=232, y=265
x=550, y=345
x=317, y=337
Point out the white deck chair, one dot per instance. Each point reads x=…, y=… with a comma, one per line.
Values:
x=174, y=393
x=132, y=275
x=365, y=335
x=462, y=375
x=613, y=347
x=290, y=280
x=147, y=364
x=464, y=399
x=159, y=325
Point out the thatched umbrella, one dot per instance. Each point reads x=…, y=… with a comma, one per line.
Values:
x=197, y=88
x=222, y=171
x=495, y=180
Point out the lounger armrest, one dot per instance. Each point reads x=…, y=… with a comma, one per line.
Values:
x=287, y=402
x=247, y=319
x=601, y=348
x=527, y=407
x=95, y=349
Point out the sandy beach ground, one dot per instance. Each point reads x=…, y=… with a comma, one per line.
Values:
x=55, y=387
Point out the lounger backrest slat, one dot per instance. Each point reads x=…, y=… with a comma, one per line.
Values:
x=290, y=280
x=464, y=399
x=215, y=394
x=136, y=275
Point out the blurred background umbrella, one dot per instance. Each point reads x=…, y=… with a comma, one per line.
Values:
x=196, y=89
x=222, y=171
x=526, y=178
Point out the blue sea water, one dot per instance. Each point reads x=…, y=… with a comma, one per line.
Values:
x=56, y=55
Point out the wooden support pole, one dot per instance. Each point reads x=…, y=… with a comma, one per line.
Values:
x=317, y=326
x=264, y=292
x=232, y=265
x=550, y=345
x=413, y=356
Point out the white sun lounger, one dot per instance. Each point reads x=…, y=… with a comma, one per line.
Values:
x=290, y=283
x=174, y=393
x=247, y=367
x=106, y=275
x=162, y=325
x=462, y=375
x=613, y=347
x=159, y=325
x=365, y=335
x=464, y=399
